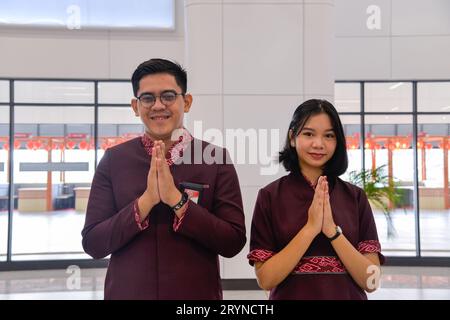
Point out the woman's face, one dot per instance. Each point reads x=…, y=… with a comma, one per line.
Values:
x=316, y=142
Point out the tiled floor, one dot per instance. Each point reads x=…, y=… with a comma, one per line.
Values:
x=398, y=283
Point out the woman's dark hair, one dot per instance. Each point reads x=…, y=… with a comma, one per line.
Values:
x=154, y=66
x=338, y=163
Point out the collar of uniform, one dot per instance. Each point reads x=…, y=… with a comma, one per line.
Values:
x=299, y=176
x=312, y=184
x=176, y=150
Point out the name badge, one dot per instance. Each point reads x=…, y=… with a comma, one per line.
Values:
x=194, y=190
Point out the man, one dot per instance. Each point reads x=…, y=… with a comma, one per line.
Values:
x=163, y=218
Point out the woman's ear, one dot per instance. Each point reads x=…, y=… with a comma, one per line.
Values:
x=291, y=139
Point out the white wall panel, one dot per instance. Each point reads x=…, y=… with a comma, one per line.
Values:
x=363, y=58
x=263, y=49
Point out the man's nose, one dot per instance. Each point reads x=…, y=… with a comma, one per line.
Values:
x=158, y=105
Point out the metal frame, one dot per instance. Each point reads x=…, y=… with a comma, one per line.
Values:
x=418, y=260
x=10, y=265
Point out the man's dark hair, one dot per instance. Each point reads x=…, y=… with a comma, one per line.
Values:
x=154, y=66
x=338, y=163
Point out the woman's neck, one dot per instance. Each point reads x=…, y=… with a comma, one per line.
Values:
x=312, y=175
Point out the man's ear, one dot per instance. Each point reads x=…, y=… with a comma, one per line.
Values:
x=134, y=106
x=187, y=102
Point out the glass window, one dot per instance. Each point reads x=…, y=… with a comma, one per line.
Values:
x=388, y=97
x=115, y=92
x=77, y=14
x=352, y=130
x=53, y=92
x=4, y=91
x=4, y=183
x=347, y=97
x=434, y=197
x=385, y=146
x=116, y=125
x=53, y=169
x=433, y=96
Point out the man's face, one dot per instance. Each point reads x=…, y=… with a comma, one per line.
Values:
x=160, y=120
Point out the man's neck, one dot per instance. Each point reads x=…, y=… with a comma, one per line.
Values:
x=168, y=142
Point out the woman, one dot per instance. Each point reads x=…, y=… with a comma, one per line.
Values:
x=313, y=235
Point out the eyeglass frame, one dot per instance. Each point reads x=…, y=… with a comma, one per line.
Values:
x=159, y=96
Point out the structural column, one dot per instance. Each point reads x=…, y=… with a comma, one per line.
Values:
x=250, y=64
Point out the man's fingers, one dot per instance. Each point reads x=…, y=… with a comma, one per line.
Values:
x=159, y=169
x=163, y=156
x=153, y=159
x=163, y=149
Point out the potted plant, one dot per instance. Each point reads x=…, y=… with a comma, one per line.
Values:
x=381, y=190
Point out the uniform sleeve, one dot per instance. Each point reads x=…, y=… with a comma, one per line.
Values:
x=368, y=237
x=223, y=230
x=106, y=228
x=262, y=240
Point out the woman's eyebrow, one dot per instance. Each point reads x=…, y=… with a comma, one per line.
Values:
x=306, y=128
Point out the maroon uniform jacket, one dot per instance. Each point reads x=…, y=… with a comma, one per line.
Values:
x=281, y=210
x=158, y=262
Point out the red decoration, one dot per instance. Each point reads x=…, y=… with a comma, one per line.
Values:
x=83, y=145
x=30, y=144
x=70, y=144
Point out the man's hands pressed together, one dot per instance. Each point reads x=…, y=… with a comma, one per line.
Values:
x=160, y=184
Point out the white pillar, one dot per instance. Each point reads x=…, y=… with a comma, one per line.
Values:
x=250, y=64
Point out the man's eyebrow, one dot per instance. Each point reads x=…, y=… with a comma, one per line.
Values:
x=146, y=92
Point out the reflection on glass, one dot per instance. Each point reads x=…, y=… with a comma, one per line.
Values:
x=388, y=97
x=433, y=96
x=4, y=184
x=352, y=130
x=53, y=168
x=4, y=91
x=79, y=14
x=53, y=92
x=116, y=125
x=347, y=97
x=115, y=92
x=434, y=197
x=388, y=143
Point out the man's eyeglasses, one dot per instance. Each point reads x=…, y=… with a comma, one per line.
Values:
x=167, y=98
